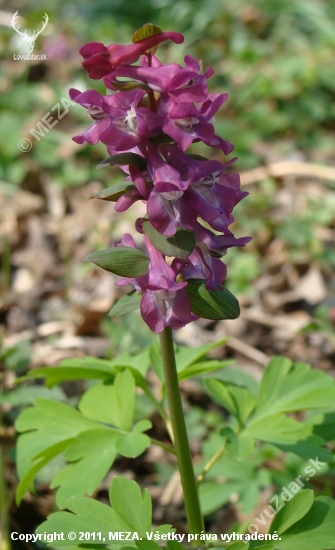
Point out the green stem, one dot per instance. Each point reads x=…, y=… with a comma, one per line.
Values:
x=181, y=444
x=161, y=411
x=163, y=445
x=210, y=463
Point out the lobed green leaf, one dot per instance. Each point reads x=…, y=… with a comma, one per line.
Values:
x=135, y=443
x=238, y=400
x=111, y=404
x=287, y=387
x=91, y=454
x=47, y=423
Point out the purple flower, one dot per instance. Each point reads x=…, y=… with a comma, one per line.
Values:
x=99, y=60
x=164, y=302
x=183, y=84
x=93, y=102
x=183, y=122
x=166, y=308
x=217, y=244
x=168, y=210
x=164, y=174
x=201, y=265
x=120, y=121
x=204, y=262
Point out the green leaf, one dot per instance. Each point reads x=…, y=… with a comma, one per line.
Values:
x=179, y=245
x=249, y=497
x=112, y=404
x=314, y=531
x=288, y=388
x=276, y=430
x=121, y=260
x=40, y=461
x=239, y=446
x=126, y=304
x=124, y=159
x=220, y=304
x=88, y=368
x=92, y=454
x=131, y=512
x=135, y=443
x=293, y=510
x=288, y=435
x=214, y=495
x=204, y=367
x=130, y=504
x=227, y=466
x=239, y=377
x=324, y=426
x=48, y=423
x=186, y=359
x=238, y=400
x=139, y=363
x=25, y=395
x=306, y=445
x=186, y=356
x=114, y=192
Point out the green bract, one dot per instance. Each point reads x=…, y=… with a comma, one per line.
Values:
x=122, y=159
x=126, y=304
x=220, y=304
x=114, y=192
x=180, y=245
x=121, y=260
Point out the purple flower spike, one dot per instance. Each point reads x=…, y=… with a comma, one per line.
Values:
x=149, y=122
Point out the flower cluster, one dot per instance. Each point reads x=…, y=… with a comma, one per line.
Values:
x=154, y=117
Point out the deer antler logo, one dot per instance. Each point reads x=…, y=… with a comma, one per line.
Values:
x=29, y=40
